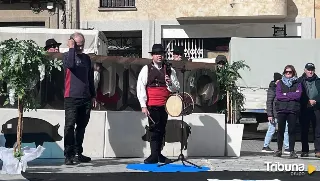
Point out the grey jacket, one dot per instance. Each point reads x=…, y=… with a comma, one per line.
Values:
x=271, y=100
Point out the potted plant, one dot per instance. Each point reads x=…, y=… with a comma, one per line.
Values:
x=231, y=103
x=22, y=64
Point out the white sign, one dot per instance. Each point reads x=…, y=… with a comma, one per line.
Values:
x=287, y=167
x=292, y=168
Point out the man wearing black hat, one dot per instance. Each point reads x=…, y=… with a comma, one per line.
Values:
x=52, y=45
x=310, y=109
x=178, y=52
x=155, y=84
x=221, y=60
x=49, y=84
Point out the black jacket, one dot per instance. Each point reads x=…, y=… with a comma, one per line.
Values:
x=271, y=100
x=304, y=97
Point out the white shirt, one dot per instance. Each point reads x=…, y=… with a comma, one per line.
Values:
x=142, y=83
x=96, y=78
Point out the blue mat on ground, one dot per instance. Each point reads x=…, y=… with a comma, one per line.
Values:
x=167, y=168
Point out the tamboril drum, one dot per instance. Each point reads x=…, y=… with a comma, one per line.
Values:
x=177, y=106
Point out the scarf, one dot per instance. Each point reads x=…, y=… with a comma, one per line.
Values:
x=288, y=81
x=310, y=79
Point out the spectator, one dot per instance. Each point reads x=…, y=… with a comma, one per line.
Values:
x=272, y=117
x=310, y=109
x=52, y=45
x=221, y=61
x=288, y=93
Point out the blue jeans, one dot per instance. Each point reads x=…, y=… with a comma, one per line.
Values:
x=272, y=130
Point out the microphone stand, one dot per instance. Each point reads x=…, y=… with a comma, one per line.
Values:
x=181, y=157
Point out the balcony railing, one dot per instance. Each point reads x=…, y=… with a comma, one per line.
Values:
x=117, y=4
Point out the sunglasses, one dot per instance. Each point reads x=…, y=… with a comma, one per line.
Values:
x=53, y=46
x=286, y=72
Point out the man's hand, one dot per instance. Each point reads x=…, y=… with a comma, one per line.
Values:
x=145, y=111
x=94, y=102
x=284, y=93
x=71, y=43
x=271, y=120
x=312, y=102
x=168, y=80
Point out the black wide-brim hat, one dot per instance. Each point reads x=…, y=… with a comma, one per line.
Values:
x=50, y=43
x=157, y=48
x=221, y=59
x=178, y=50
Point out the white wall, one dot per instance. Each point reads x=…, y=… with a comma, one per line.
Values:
x=94, y=138
x=307, y=28
x=124, y=131
x=227, y=30
x=118, y=134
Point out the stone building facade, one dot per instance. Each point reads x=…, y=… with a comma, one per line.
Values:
x=197, y=26
x=57, y=14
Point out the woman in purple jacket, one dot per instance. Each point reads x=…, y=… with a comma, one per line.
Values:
x=288, y=93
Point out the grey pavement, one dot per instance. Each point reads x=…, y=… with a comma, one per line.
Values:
x=251, y=160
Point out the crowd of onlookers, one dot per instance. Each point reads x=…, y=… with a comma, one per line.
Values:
x=291, y=98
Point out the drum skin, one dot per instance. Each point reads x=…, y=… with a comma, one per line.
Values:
x=177, y=106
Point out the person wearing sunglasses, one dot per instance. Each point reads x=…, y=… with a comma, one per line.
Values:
x=272, y=117
x=288, y=94
x=310, y=109
x=53, y=86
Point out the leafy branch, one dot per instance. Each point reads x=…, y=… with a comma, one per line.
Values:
x=22, y=65
x=227, y=76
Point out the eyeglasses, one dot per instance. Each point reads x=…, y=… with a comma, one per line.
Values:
x=288, y=72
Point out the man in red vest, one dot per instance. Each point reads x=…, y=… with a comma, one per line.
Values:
x=155, y=84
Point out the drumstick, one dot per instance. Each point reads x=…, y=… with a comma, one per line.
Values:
x=151, y=119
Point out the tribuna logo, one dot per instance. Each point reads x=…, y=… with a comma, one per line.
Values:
x=287, y=167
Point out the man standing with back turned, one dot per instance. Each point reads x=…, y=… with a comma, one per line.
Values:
x=154, y=86
x=79, y=98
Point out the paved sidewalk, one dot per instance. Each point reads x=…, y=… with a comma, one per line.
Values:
x=251, y=160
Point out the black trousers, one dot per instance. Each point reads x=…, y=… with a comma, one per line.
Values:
x=310, y=116
x=77, y=112
x=292, y=119
x=157, y=129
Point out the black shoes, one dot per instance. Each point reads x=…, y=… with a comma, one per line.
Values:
x=267, y=150
x=77, y=159
x=278, y=153
x=68, y=161
x=304, y=154
x=152, y=159
x=157, y=159
x=82, y=159
x=163, y=159
x=293, y=155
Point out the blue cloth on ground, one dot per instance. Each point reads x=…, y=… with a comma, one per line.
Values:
x=167, y=168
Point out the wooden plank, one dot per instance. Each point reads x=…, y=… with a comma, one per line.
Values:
x=141, y=61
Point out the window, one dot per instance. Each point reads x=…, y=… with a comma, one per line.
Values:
x=117, y=4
